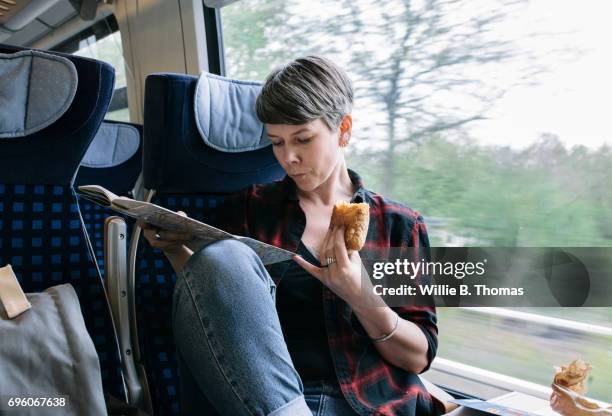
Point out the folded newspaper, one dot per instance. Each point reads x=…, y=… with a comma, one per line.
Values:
x=170, y=220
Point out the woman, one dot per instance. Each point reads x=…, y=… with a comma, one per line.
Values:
x=297, y=339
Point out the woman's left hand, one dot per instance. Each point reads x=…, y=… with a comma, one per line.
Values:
x=343, y=276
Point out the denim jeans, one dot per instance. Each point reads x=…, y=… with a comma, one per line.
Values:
x=233, y=359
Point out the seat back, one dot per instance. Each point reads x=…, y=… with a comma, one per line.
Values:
x=114, y=161
x=41, y=230
x=183, y=173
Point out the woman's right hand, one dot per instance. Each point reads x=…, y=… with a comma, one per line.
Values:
x=570, y=403
x=169, y=242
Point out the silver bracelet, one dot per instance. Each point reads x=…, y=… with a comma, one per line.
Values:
x=390, y=334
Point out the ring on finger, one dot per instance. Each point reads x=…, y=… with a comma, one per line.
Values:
x=331, y=260
x=157, y=235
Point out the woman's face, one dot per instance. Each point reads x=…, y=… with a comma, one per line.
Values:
x=307, y=152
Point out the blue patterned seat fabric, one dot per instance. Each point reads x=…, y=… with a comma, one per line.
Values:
x=154, y=287
x=41, y=232
x=188, y=176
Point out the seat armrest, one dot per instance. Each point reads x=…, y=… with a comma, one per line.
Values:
x=116, y=282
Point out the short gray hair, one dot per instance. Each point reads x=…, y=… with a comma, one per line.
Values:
x=304, y=90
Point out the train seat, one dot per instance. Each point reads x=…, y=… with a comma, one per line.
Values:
x=182, y=170
x=41, y=145
x=114, y=161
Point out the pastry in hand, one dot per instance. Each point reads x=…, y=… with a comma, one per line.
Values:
x=355, y=217
x=573, y=376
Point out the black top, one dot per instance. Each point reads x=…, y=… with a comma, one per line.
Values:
x=299, y=302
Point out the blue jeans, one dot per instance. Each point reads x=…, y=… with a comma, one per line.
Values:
x=233, y=359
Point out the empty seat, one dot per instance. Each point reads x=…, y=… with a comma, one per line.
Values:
x=51, y=106
x=114, y=161
x=182, y=172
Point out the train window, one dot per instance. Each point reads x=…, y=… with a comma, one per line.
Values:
x=102, y=41
x=488, y=118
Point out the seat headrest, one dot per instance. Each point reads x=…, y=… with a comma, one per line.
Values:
x=114, y=158
x=175, y=157
x=57, y=148
x=224, y=111
x=114, y=144
x=36, y=89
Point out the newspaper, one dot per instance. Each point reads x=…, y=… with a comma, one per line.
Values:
x=492, y=408
x=172, y=221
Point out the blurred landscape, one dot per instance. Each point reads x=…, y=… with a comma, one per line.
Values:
x=472, y=195
x=528, y=351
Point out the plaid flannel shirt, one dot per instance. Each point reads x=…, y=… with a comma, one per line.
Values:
x=271, y=213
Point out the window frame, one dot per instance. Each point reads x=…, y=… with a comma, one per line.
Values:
x=100, y=29
x=214, y=40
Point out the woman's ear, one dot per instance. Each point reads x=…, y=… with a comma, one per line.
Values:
x=345, y=130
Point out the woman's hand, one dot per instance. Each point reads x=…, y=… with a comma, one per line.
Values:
x=172, y=244
x=408, y=347
x=343, y=276
x=169, y=242
x=561, y=402
x=569, y=403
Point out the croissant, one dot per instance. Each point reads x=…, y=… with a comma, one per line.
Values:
x=355, y=217
x=573, y=375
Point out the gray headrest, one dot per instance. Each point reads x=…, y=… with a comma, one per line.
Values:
x=225, y=114
x=36, y=89
x=113, y=145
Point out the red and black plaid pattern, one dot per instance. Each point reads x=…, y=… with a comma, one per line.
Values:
x=272, y=214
